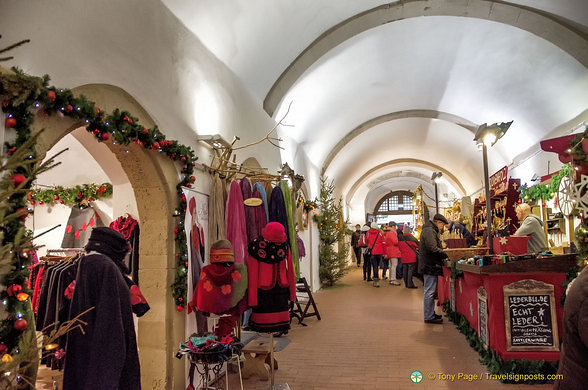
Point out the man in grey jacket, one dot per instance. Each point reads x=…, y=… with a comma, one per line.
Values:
x=532, y=226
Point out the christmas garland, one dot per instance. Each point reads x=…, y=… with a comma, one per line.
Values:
x=70, y=196
x=542, y=191
x=496, y=365
x=118, y=127
x=307, y=205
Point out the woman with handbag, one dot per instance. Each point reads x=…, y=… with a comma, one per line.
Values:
x=377, y=250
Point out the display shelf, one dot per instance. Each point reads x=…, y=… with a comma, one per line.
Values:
x=560, y=263
x=503, y=210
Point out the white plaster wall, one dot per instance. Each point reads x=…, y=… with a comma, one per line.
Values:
x=78, y=166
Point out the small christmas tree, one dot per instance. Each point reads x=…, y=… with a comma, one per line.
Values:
x=332, y=229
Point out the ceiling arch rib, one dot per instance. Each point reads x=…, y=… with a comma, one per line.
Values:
x=531, y=20
x=427, y=114
x=404, y=162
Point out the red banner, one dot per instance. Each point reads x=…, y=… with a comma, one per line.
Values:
x=499, y=181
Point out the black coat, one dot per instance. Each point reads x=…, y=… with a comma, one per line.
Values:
x=431, y=253
x=105, y=357
x=574, y=350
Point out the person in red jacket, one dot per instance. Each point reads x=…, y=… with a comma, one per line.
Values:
x=392, y=251
x=375, y=244
x=408, y=246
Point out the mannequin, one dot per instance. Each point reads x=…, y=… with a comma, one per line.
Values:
x=105, y=355
x=271, y=280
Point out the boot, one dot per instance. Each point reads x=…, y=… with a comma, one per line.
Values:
x=376, y=282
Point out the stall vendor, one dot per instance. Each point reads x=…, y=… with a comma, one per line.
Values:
x=532, y=226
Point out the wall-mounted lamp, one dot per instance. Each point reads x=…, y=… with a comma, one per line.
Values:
x=487, y=136
x=215, y=141
x=435, y=177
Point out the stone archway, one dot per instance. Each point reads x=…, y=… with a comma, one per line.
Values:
x=153, y=179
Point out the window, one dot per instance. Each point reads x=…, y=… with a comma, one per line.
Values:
x=395, y=203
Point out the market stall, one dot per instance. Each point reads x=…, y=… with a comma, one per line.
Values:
x=515, y=307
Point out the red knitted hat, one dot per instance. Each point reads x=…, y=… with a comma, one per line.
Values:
x=221, y=251
x=274, y=232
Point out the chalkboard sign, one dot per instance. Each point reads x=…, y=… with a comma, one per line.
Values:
x=483, y=316
x=530, y=317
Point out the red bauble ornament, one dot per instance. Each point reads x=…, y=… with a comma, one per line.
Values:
x=56, y=197
x=51, y=95
x=128, y=120
x=20, y=324
x=3, y=349
x=188, y=185
x=62, y=202
x=176, y=230
x=24, y=212
x=90, y=199
x=186, y=264
x=177, y=255
x=80, y=195
x=182, y=159
x=180, y=308
x=18, y=179
x=104, y=136
x=155, y=145
x=33, y=202
x=69, y=108
x=41, y=203
x=30, y=195
x=180, y=299
x=10, y=122
x=14, y=289
x=192, y=178
x=145, y=131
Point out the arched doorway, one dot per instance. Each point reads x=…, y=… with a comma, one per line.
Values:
x=153, y=179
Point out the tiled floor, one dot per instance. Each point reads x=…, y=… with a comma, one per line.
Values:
x=373, y=338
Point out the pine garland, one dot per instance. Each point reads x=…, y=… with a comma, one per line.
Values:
x=118, y=127
x=496, y=365
x=70, y=196
x=542, y=191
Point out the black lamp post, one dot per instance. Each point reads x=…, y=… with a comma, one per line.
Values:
x=435, y=177
x=487, y=136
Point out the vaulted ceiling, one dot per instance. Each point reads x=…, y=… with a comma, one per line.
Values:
x=381, y=95
x=378, y=95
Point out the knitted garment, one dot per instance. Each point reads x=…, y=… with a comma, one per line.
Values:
x=247, y=193
x=291, y=230
x=277, y=210
x=221, y=288
x=259, y=217
x=271, y=285
x=235, y=223
x=216, y=212
x=258, y=186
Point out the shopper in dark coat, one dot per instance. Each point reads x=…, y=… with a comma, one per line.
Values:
x=355, y=243
x=431, y=257
x=574, y=351
x=105, y=355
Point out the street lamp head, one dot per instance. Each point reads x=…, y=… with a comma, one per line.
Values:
x=436, y=176
x=490, y=134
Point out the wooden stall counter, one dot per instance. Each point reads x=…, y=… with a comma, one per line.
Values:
x=515, y=307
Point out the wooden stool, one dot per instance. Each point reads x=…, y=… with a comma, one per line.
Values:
x=257, y=358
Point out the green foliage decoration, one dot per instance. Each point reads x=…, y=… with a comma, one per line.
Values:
x=332, y=228
x=542, y=191
x=70, y=196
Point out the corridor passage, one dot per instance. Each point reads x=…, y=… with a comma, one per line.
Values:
x=373, y=338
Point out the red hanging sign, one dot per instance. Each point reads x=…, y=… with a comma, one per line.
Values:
x=499, y=181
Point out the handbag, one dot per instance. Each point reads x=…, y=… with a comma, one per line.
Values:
x=368, y=252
